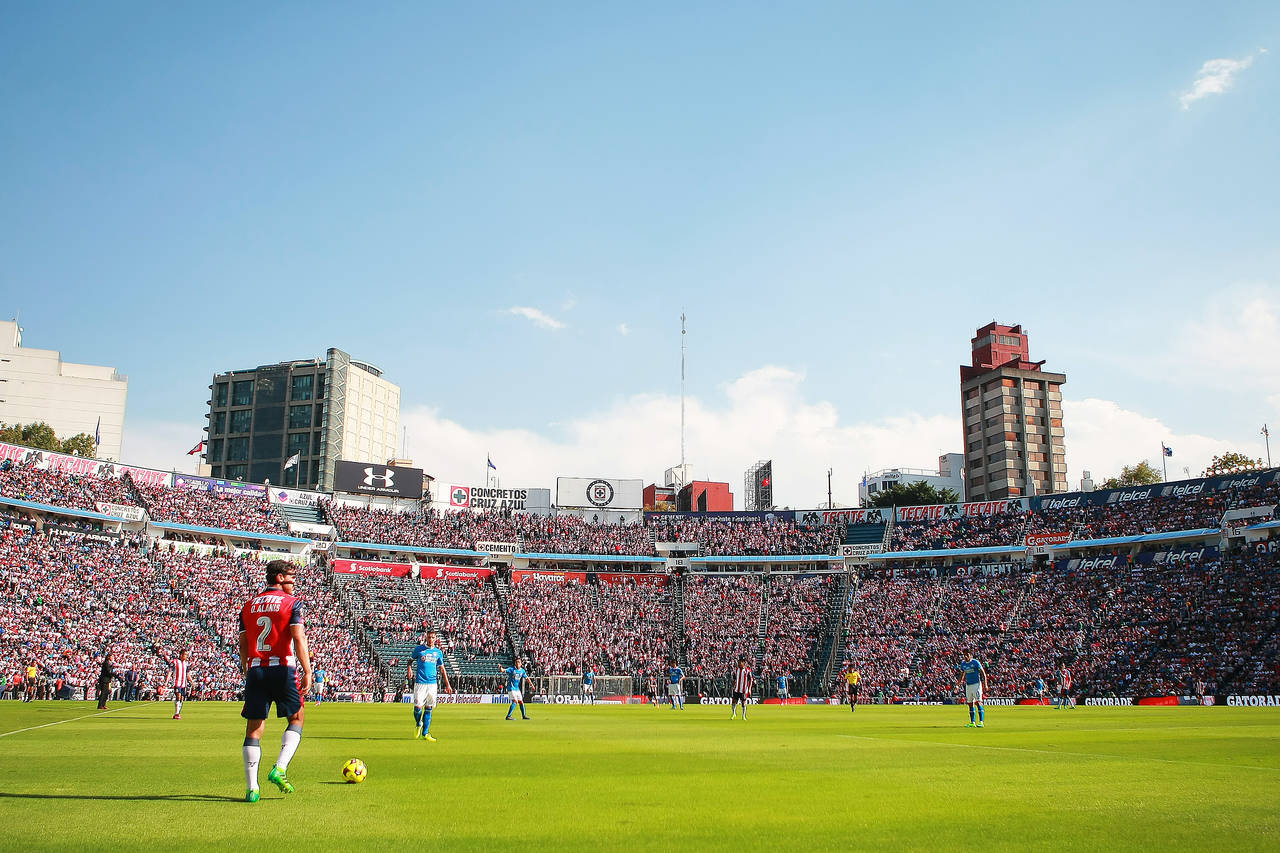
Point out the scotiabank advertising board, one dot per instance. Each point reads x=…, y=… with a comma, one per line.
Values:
x=522, y=575
x=371, y=567
x=628, y=577
x=453, y=573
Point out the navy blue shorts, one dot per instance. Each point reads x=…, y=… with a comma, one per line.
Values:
x=180, y=693
x=267, y=684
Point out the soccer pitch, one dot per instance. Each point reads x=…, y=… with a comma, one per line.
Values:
x=609, y=777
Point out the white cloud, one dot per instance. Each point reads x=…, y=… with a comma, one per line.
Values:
x=161, y=444
x=537, y=317
x=624, y=329
x=1216, y=76
x=761, y=415
x=1102, y=438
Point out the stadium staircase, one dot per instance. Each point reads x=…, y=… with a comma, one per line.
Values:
x=1022, y=534
x=834, y=625
x=301, y=514
x=762, y=623
x=887, y=539
x=502, y=593
x=677, y=650
x=356, y=618
x=922, y=639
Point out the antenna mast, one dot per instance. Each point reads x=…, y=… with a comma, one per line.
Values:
x=682, y=336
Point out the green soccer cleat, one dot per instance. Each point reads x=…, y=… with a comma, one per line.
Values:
x=970, y=725
x=979, y=725
x=251, y=796
x=428, y=737
x=281, y=781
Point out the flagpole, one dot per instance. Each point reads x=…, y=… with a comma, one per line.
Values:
x=1266, y=434
x=1164, y=463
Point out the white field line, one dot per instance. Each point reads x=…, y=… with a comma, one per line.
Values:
x=73, y=719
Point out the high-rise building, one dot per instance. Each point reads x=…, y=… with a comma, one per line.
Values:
x=322, y=410
x=1012, y=410
x=37, y=385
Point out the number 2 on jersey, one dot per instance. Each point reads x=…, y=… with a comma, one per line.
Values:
x=265, y=622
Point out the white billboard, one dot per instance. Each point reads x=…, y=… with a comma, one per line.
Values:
x=599, y=493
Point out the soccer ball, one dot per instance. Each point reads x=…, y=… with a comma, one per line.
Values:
x=354, y=770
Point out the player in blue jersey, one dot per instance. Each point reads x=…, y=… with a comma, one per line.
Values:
x=675, y=685
x=516, y=677
x=975, y=685
x=1041, y=689
x=589, y=685
x=426, y=667
x=319, y=678
x=784, y=691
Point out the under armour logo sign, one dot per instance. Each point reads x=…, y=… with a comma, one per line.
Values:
x=388, y=477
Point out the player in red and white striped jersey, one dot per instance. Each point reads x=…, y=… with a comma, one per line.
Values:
x=1064, y=690
x=741, y=689
x=181, y=676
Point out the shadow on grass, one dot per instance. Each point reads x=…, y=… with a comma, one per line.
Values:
x=181, y=798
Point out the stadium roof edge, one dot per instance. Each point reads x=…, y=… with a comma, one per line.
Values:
x=60, y=510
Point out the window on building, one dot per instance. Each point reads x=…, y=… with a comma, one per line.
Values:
x=301, y=387
x=1009, y=383
x=242, y=393
x=267, y=446
x=220, y=394
x=299, y=442
x=871, y=488
x=216, y=470
x=236, y=472
x=215, y=450
x=219, y=423
x=237, y=450
x=318, y=419
x=300, y=416
x=977, y=480
x=241, y=420
x=315, y=444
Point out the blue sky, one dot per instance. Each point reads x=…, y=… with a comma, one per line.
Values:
x=837, y=195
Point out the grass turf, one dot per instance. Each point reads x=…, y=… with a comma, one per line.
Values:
x=606, y=777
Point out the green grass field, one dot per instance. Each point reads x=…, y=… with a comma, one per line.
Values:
x=609, y=777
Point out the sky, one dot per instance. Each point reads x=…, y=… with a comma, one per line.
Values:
x=507, y=208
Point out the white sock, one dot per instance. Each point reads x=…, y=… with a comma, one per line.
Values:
x=252, y=755
x=288, y=746
x=177, y=707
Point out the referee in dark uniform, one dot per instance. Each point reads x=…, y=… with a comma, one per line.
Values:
x=104, y=681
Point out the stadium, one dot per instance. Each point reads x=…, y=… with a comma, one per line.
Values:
x=610, y=427
x=1162, y=596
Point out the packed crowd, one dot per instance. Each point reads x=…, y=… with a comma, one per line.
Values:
x=466, y=613
x=1122, y=630
x=210, y=509
x=753, y=538
x=796, y=607
x=24, y=482
x=958, y=531
x=721, y=617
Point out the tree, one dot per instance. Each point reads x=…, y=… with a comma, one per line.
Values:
x=1142, y=474
x=1231, y=462
x=918, y=493
x=40, y=436
x=80, y=445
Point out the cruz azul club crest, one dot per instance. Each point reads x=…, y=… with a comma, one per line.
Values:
x=600, y=493
x=460, y=496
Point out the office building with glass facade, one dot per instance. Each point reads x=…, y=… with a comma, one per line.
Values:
x=322, y=410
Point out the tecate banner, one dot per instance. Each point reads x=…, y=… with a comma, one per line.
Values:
x=843, y=516
x=365, y=478
x=599, y=493
x=45, y=460
x=935, y=512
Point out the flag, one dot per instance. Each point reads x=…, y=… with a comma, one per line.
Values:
x=199, y=448
x=491, y=465
x=293, y=460
x=97, y=432
x=1168, y=451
